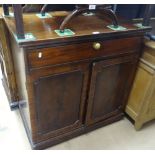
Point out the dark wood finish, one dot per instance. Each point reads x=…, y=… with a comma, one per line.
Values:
x=61, y=90
x=75, y=133
x=69, y=53
x=62, y=108
x=45, y=35
x=19, y=21
x=122, y=73
x=106, y=97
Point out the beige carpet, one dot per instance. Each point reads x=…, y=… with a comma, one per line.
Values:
x=119, y=135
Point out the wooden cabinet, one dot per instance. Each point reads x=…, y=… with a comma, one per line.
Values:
x=6, y=64
x=70, y=85
x=73, y=96
x=141, y=102
x=68, y=97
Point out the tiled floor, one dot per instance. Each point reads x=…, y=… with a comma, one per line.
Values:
x=119, y=135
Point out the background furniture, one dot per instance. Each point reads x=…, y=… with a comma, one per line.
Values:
x=141, y=103
x=138, y=13
x=6, y=63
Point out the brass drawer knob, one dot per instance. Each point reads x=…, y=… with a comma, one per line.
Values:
x=96, y=46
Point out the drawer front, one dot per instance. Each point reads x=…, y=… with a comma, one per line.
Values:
x=70, y=53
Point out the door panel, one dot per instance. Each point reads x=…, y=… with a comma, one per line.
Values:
x=58, y=96
x=58, y=100
x=108, y=89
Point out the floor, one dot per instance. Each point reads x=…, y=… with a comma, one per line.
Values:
x=119, y=135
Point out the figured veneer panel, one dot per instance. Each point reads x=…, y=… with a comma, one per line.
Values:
x=58, y=100
x=106, y=97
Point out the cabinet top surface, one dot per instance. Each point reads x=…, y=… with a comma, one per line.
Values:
x=84, y=27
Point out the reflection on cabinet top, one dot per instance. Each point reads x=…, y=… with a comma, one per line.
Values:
x=84, y=27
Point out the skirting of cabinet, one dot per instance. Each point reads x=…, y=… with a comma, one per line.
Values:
x=67, y=136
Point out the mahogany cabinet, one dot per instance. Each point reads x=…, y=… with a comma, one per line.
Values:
x=72, y=96
x=80, y=88
x=69, y=85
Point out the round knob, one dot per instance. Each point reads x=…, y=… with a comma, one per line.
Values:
x=96, y=46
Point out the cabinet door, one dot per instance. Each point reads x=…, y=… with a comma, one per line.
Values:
x=110, y=83
x=57, y=97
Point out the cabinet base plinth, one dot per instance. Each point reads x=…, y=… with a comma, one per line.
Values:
x=67, y=136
